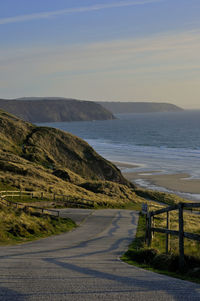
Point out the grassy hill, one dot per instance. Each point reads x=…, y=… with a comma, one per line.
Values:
x=47, y=159
x=54, y=109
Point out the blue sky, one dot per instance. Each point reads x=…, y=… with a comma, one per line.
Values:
x=139, y=50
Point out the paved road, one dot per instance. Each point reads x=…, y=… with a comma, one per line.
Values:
x=84, y=265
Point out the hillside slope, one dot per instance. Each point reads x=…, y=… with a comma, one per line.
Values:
x=41, y=158
x=139, y=107
x=54, y=109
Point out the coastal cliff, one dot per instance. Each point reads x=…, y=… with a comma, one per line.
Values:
x=139, y=107
x=47, y=159
x=54, y=109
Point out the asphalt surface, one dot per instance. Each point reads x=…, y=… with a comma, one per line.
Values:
x=84, y=265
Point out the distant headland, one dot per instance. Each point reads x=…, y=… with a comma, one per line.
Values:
x=139, y=107
x=54, y=109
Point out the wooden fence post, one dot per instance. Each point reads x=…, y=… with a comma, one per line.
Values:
x=181, y=237
x=145, y=210
x=146, y=226
x=149, y=229
x=152, y=233
x=42, y=195
x=168, y=235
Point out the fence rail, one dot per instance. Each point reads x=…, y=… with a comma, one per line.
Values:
x=150, y=229
x=41, y=195
x=6, y=202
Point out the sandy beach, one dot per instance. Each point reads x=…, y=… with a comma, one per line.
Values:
x=174, y=182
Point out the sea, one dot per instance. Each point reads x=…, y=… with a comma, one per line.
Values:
x=168, y=143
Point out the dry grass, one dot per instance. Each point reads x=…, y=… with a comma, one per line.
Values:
x=191, y=225
x=155, y=259
x=160, y=197
x=17, y=225
x=45, y=159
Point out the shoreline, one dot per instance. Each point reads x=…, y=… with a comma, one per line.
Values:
x=180, y=183
x=125, y=165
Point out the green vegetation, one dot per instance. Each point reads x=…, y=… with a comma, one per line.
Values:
x=191, y=225
x=50, y=200
x=17, y=225
x=160, y=197
x=154, y=258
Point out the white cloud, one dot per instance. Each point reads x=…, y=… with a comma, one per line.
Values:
x=49, y=14
x=158, y=52
x=158, y=67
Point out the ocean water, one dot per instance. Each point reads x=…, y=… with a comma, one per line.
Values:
x=164, y=142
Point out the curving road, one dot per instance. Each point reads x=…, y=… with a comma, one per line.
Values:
x=84, y=265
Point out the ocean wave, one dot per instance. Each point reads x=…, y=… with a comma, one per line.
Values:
x=166, y=159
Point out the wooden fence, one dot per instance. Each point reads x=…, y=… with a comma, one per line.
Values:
x=67, y=200
x=6, y=202
x=150, y=229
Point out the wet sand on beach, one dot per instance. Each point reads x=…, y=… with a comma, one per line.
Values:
x=176, y=182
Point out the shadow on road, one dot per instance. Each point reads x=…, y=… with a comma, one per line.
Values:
x=170, y=287
x=10, y=295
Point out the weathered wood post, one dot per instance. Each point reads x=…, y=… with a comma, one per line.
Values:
x=146, y=226
x=152, y=233
x=181, y=237
x=144, y=211
x=149, y=228
x=167, y=235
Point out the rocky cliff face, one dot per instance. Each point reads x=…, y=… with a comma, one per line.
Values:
x=54, y=109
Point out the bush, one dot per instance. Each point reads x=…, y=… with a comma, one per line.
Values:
x=192, y=262
x=142, y=256
x=194, y=273
x=166, y=262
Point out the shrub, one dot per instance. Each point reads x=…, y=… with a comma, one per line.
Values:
x=143, y=255
x=166, y=262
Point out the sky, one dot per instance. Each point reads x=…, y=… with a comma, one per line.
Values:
x=109, y=50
